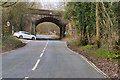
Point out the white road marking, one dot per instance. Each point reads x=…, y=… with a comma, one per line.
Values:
x=36, y=65
x=41, y=54
x=43, y=51
x=25, y=78
x=38, y=61
x=44, y=48
x=89, y=62
x=95, y=67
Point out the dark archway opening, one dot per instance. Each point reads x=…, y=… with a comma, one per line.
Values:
x=52, y=20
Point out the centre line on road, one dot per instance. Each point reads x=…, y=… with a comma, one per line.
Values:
x=36, y=65
x=41, y=54
x=26, y=78
x=38, y=61
x=44, y=50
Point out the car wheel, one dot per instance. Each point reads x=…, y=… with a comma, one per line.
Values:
x=33, y=38
x=21, y=37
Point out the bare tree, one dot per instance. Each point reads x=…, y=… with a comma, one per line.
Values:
x=7, y=3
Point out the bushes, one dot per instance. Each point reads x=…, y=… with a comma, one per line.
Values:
x=10, y=42
x=75, y=43
x=95, y=22
x=99, y=52
x=93, y=50
x=104, y=53
x=5, y=30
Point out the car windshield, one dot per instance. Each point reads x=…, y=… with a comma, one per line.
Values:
x=27, y=33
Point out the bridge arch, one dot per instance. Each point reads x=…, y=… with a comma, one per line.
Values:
x=53, y=20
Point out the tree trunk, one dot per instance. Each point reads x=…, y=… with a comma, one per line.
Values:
x=118, y=23
x=97, y=25
x=97, y=22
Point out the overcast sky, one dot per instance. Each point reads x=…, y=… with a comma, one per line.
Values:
x=48, y=0
x=51, y=4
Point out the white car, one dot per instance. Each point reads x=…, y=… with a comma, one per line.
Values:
x=24, y=35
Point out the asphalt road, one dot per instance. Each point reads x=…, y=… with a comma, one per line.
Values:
x=46, y=59
x=45, y=37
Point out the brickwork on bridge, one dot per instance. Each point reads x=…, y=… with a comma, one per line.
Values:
x=40, y=16
x=37, y=17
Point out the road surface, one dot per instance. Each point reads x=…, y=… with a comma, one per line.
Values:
x=45, y=37
x=46, y=59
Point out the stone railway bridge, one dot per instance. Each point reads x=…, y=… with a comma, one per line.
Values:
x=41, y=15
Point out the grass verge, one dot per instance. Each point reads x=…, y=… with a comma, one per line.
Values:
x=97, y=52
x=11, y=43
x=106, y=60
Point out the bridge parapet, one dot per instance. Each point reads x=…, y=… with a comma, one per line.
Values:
x=37, y=17
x=45, y=12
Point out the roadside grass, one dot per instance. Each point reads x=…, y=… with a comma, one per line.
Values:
x=43, y=33
x=10, y=43
x=106, y=60
x=56, y=37
x=97, y=52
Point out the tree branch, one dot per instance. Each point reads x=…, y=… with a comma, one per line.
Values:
x=6, y=4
